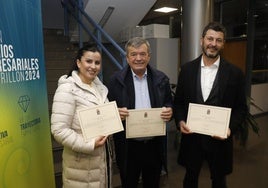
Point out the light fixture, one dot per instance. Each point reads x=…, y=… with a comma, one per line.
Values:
x=165, y=9
x=106, y=16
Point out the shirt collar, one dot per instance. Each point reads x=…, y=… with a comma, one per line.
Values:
x=135, y=75
x=215, y=64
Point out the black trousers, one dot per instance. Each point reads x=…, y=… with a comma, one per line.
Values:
x=144, y=161
x=193, y=170
x=191, y=180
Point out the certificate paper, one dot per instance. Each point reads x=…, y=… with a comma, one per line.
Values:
x=145, y=123
x=100, y=120
x=208, y=120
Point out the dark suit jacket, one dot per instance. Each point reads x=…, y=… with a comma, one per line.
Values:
x=231, y=95
x=121, y=90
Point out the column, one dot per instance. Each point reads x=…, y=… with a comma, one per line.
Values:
x=195, y=15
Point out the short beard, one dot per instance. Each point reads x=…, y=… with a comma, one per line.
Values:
x=210, y=55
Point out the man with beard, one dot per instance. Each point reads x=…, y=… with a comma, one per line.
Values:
x=209, y=80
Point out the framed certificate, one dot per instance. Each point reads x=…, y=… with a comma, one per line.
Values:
x=145, y=123
x=100, y=120
x=208, y=120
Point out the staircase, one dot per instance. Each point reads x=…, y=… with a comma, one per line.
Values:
x=59, y=56
x=115, y=16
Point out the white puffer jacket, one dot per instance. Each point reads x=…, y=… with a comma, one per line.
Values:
x=83, y=166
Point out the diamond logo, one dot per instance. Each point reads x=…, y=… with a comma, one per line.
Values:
x=24, y=102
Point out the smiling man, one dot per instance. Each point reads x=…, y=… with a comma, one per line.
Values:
x=209, y=80
x=139, y=86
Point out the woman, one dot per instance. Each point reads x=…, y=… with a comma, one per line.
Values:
x=85, y=164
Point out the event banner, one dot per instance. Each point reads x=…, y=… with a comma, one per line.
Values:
x=25, y=141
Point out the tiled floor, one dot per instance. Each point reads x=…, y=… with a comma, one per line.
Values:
x=250, y=163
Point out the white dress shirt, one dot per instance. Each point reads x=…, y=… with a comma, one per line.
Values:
x=208, y=74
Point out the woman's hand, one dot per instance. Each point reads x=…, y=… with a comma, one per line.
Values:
x=100, y=141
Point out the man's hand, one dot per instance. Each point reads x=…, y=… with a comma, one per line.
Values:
x=166, y=113
x=183, y=127
x=123, y=113
x=221, y=138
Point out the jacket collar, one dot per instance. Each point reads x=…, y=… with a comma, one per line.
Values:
x=155, y=74
x=223, y=73
x=98, y=84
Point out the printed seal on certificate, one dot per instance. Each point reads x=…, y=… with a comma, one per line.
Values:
x=208, y=120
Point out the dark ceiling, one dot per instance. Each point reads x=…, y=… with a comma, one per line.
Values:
x=162, y=18
x=232, y=13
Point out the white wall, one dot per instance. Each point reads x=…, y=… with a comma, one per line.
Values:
x=165, y=56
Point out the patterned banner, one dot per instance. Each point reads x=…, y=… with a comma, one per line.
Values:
x=25, y=141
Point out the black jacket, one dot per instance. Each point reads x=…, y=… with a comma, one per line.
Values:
x=231, y=94
x=121, y=90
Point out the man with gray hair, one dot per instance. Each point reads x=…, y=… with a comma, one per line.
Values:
x=140, y=86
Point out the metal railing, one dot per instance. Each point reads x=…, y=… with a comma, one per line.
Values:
x=76, y=10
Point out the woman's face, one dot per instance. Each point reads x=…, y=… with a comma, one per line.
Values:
x=89, y=66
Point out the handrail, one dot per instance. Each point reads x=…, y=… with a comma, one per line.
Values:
x=70, y=6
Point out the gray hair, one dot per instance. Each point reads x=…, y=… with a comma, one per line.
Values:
x=137, y=42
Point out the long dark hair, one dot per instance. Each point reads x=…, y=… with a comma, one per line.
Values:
x=80, y=53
